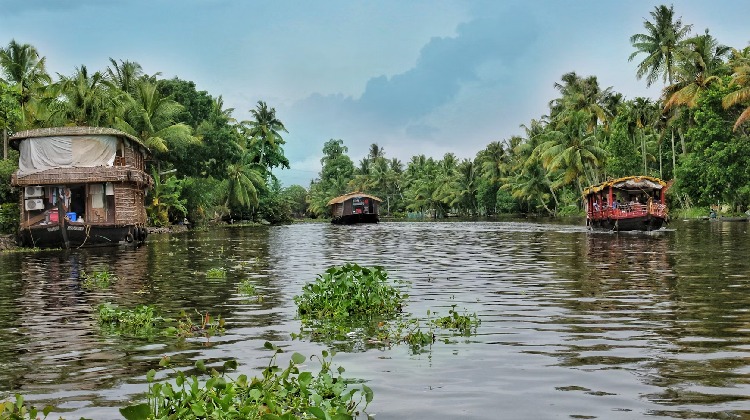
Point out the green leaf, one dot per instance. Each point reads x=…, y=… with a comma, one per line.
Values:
x=317, y=412
x=136, y=412
x=368, y=393
x=201, y=365
x=298, y=358
x=230, y=364
x=198, y=410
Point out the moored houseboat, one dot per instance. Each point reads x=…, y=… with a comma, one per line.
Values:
x=81, y=186
x=629, y=203
x=355, y=207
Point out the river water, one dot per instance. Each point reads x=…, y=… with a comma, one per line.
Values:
x=574, y=324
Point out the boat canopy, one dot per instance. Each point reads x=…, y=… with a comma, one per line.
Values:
x=629, y=182
x=340, y=199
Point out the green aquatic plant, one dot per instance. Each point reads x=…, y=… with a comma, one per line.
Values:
x=464, y=324
x=97, y=279
x=18, y=410
x=350, y=291
x=246, y=288
x=216, y=273
x=279, y=393
x=140, y=321
x=207, y=326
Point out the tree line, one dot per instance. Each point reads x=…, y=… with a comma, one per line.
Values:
x=695, y=134
x=207, y=165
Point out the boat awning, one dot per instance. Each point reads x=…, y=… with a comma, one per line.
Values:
x=340, y=199
x=628, y=183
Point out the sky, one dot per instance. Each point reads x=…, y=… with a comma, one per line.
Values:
x=415, y=77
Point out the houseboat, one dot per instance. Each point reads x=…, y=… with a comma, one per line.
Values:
x=355, y=207
x=629, y=203
x=81, y=186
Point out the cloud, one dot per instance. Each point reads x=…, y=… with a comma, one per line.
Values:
x=425, y=109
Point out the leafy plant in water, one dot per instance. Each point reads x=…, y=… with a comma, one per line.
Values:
x=97, y=280
x=246, y=288
x=140, y=321
x=206, y=326
x=350, y=291
x=216, y=273
x=455, y=321
x=18, y=410
x=278, y=394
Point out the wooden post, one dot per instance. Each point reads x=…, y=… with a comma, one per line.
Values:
x=61, y=218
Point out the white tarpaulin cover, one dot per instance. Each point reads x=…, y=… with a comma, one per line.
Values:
x=42, y=153
x=638, y=185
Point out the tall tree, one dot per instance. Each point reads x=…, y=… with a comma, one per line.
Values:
x=10, y=113
x=264, y=135
x=124, y=76
x=740, y=64
x=574, y=151
x=24, y=69
x=702, y=63
x=660, y=44
x=151, y=117
x=83, y=100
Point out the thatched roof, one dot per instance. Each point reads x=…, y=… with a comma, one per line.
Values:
x=342, y=198
x=628, y=182
x=71, y=131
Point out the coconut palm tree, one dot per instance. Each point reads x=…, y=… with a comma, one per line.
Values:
x=573, y=150
x=83, y=100
x=151, y=117
x=264, y=137
x=124, y=76
x=701, y=64
x=244, y=182
x=661, y=44
x=582, y=94
x=740, y=64
x=23, y=69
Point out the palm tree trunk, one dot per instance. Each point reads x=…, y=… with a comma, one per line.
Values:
x=643, y=153
x=674, y=159
x=661, y=166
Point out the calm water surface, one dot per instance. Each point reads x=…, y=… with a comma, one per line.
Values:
x=573, y=324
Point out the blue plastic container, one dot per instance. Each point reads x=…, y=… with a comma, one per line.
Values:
x=71, y=216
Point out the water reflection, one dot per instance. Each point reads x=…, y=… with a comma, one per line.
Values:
x=574, y=323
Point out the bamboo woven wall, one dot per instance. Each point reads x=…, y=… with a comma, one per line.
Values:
x=129, y=205
x=66, y=176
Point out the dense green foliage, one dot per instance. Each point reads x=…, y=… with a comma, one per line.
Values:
x=350, y=291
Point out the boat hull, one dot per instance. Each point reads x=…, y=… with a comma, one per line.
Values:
x=80, y=235
x=351, y=219
x=642, y=223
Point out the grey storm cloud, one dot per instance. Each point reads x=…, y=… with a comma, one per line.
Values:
x=444, y=64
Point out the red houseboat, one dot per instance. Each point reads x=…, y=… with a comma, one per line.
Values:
x=629, y=203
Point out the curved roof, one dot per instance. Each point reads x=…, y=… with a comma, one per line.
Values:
x=72, y=131
x=633, y=182
x=342, y=198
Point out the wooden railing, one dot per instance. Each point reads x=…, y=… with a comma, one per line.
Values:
x=629, y=210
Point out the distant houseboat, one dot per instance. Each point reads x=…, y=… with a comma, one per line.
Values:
x=82, y=186
x=354, y=207
x=630, y=203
